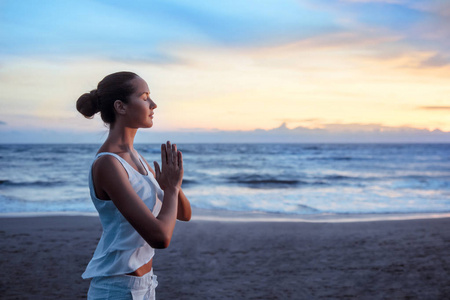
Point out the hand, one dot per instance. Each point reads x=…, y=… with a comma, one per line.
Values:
x=171, y=173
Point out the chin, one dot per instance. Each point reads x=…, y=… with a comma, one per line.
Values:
x=145, y=125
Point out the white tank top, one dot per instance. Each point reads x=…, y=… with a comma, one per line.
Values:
x=121, y=249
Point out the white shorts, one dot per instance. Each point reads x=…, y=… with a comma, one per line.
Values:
x=123, y=287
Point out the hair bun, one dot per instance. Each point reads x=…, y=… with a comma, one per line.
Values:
x=88, y=104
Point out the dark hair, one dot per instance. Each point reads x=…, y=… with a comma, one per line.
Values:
x=116, y=86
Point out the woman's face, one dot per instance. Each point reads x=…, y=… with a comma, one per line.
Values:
x=140, y=106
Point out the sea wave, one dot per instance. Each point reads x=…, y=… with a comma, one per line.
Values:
x=285, y=178
x=263, y=180
x=38, y=183
x=189, y=182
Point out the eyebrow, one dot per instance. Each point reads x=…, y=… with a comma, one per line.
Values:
x=145, y=93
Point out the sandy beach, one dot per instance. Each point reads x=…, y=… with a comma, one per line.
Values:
x=43, y=258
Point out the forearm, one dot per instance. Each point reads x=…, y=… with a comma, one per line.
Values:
x=167, y=216
x=184, y=207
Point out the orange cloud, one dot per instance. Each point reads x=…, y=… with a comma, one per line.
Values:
x=435, y=107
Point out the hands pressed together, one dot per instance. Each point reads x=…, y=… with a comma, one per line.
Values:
x=170, y=175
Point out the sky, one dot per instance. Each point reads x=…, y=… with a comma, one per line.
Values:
x=262, y=71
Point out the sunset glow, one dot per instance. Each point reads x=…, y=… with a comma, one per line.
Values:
x=218, y=67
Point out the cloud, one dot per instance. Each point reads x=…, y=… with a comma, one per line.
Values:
x=376, y=1
x=86, y=28
x=2, y=123
x=438, y=7
x=360, y=39
x=155, y=31
x=437, y=60
x=300, y=120
x=351, y=127
x=269, y=61
x=420, y=27
x=143, y=30
x=330, y=133
x=434, y=107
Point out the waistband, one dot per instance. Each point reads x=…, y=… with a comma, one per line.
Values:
x=129, y=281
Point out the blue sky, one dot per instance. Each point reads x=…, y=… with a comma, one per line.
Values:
x=229, y=66
x=141, y=29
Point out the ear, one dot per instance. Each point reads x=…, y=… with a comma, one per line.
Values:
x=120, y=107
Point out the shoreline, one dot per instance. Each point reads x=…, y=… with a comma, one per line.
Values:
x=199, y=214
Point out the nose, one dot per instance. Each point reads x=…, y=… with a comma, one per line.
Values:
x=153, y=104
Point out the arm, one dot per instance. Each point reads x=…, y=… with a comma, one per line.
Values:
x=184, y=207
x=113, y=179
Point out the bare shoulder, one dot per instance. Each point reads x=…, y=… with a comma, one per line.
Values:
x=107, y=167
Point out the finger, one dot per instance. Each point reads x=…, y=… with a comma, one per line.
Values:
x=180, y=160
x=163, y=154
x=169, y=153
x=175, y=154
x=157, y=170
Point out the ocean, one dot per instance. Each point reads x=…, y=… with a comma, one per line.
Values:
x=288, y=179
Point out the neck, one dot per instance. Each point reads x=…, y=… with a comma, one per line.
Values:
x=121, y=137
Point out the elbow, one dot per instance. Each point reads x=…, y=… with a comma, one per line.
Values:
x=162, y=242
x=185, y=214
x=185, y=218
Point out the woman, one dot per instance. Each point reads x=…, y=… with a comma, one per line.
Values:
x=138, y=207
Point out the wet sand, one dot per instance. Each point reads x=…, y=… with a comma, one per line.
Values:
x=44, y=257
